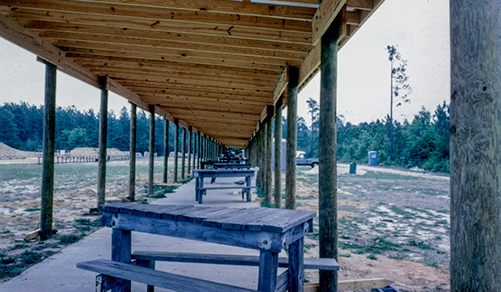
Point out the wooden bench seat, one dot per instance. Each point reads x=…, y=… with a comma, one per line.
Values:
x=226, y=188
x=121, y=271
x=224, y=259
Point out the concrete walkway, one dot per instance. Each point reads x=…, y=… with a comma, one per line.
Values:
x=58, y=273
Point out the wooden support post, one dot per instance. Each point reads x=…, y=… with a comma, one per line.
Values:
x=183, y=150
x=166, y=150
x=269, y=158
x=475, y=127
x=199, y=149
x=190, y=145
x=290, y=159
x=49, y=137
x=151, y=164
x=176, y=148
x=278, y=154
x=327, y=173
x=103, y=134
x=132, y=158
x=296, y=265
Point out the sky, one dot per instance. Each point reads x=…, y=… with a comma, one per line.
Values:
x=418, y=28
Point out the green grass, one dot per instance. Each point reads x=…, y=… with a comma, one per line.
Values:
x=419, y=244
x=30, y=257
x=372, y=257
x=71, y=238
x=32, y=209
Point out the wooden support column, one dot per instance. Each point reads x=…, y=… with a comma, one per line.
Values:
x=475, y=154
x=166, y=150
x=103, y=134
x=290, y=159
x=49, y=137
x=199, y=149
x=327, y=173
x=151, y=164
x=269, y=156
x=183, y=159
x=132, y=158
x=190, y=145
x=176, y=148
x=278, y=154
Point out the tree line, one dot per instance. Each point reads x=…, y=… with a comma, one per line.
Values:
x=423, y=142
x=21, y=127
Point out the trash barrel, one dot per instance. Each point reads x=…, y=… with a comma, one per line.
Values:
x=353, y=168
x=372, y=157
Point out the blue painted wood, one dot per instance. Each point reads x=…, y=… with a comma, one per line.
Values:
x=231, y=165
x=217, y=221
x=283, y=281
x=268, y=272
x=156, y=278
x=121, y=252
x=227, y=259
x=296, y=268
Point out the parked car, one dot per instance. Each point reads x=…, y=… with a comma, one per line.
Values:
x=302, y=159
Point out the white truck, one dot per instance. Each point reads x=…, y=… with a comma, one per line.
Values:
x=302, y=159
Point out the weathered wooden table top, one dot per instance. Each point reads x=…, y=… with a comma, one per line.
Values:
x=223, y=172
x=249, y=219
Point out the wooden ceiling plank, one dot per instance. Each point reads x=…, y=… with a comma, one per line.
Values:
x=105, y=9
x=207, y=90
x=82, y=53
x=199, y=83
x=243, y=74
x=182, y=96
x=38, y=25
x=72, y=45
x=181, y=77
x=160, y=25
x=65, y=38
x=232, y=7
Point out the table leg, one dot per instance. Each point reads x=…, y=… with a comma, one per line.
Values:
x=201, y=191
x=248, y=181
x=197, y=185
x=268, y=271
x=296, y=265
x=121, y=252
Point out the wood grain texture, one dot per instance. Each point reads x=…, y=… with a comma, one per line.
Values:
x=155, y=278
x=475, y=146
x=327, y=155
x=290, y=162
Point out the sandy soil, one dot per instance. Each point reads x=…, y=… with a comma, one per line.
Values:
x=393, y=223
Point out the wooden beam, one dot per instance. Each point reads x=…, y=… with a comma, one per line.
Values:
x=360, y=4
x=280, y=87
x=103, y=138
x=151, y=157
x=324, y=16
x=310, y=66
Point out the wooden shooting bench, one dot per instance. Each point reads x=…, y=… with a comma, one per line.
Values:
x=264, y=229
x=200, y=174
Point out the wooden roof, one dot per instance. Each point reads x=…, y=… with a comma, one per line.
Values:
x=214, y=64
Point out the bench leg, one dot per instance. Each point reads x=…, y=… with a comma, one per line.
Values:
x=248, y=181
x=268, y=271
x=296, y=265
x=121, y=252
x=150, y=265
x=105, y=283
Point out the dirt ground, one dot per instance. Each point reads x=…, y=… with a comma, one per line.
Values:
x=393, y=223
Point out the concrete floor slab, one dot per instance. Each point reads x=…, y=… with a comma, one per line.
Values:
x=58, y=273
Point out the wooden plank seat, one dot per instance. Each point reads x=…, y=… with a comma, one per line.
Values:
x=112, y=275
x=225, y=259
